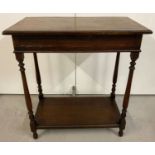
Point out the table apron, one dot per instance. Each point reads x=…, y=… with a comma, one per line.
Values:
x=69, y=43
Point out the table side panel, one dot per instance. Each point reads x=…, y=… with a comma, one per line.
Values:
x=76, y=43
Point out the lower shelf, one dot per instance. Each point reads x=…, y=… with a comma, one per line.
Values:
x=79, y=111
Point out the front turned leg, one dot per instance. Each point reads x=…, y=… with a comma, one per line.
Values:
x=122, y=122
x=20, y=59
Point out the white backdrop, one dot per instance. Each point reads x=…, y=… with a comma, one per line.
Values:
x=57, y=70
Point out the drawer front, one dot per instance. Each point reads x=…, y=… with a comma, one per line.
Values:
x=75, y=43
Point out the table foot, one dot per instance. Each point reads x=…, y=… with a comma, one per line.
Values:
x=35, y=135
x=120, y=133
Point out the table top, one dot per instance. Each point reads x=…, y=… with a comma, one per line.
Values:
x=97, y=25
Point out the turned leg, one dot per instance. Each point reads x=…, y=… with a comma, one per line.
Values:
x=20, y=59
x=38, y=77
x=122, y=122
x=115, y=76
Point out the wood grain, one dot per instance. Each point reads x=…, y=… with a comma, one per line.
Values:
x=78, y=111
x=101, y=25
x=77, y=43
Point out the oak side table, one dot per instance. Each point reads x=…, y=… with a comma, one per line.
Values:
x=69, y=35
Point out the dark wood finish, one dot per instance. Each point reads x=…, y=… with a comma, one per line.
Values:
x=78, y=25
x=20, y=59
x=76, y=43
x=80, y=111
x=38, y=77
x=134, y=57
x=80, y=34
x=115, y=76
x=47, y=34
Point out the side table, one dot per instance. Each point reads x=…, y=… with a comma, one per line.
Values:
x=77, y=34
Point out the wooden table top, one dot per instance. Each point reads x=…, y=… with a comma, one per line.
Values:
x=97, y=25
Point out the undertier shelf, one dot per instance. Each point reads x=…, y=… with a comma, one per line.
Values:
x=79, y=111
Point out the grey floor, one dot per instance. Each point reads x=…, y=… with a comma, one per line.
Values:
x=14, y=123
